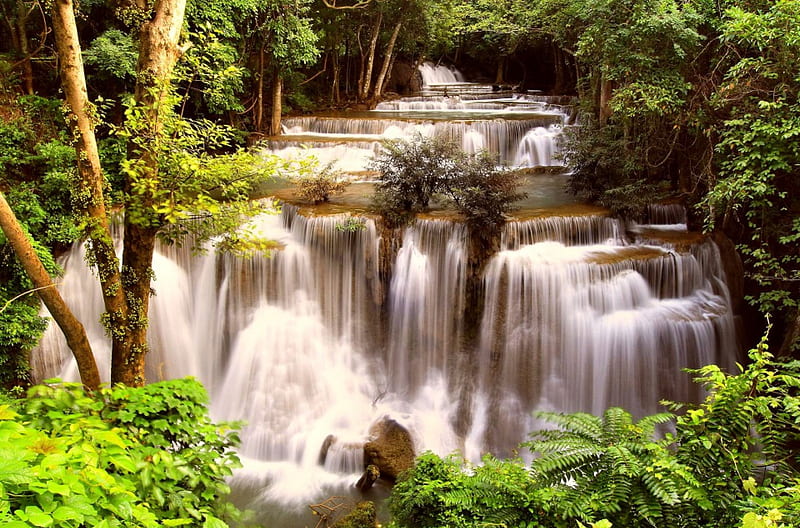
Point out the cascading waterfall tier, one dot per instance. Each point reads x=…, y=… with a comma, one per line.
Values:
x=310, y=344
x=519, y=130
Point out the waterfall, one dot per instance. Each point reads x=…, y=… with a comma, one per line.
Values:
x=337, y=329
x=582, y=328
x=539, y=148
x=426, y=301
x=438, y=74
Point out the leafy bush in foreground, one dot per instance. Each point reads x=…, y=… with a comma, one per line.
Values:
x=128, y=457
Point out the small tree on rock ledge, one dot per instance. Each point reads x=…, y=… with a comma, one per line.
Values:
x=416, y=172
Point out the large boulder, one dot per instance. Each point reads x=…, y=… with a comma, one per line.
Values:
x=405, y=79
x=390, y=448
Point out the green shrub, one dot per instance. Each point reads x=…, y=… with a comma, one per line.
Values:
x=610, y=467
x=318, y=186
x=414, y=173
x=441, y=492
x=132, y=457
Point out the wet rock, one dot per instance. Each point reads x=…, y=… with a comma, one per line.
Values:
x=362, y=516
x=405, y=78
x=371, y=474
x=390, y=448
x=326, y=446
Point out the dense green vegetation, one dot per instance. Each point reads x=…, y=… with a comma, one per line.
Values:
x=731, y=461
x=142, y=457
x=695, y=99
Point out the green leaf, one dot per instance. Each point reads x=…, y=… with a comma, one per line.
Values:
x=57, y=488
x=177, y=522
x=37, y=517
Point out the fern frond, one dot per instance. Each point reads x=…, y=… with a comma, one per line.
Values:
x=581, y=424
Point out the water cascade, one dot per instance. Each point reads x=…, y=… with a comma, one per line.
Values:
x=340, y=328
x=520, y=130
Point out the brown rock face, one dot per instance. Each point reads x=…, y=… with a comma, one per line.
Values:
x=390, y=448
x=405, y=79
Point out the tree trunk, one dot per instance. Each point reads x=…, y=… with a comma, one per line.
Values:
x=366, y=75
x=499, y=77
x=73, y=83
x=72, y=328
x=277, y=104
x=158, y=53
x=605, y=99
x=791, y=338
x=387, y=61
x=337, y=68
x=22, y=34
x=259, y=108
x=560, y=74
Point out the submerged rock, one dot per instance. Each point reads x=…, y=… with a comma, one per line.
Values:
x=390, y=448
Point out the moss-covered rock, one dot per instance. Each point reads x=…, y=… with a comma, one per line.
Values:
x=362, y=516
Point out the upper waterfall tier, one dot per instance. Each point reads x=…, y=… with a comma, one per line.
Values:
x=529, y=139
x=518, y=130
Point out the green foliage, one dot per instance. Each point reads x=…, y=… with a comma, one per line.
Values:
x=606, y=171
x=611, y=468
x=114, y=54
x=413, y=173
x=353, y=224
x=439, y=492
x=37, y=172
x=193, y=190
x=320, y=185
x=758, y=148
x=133, y=457
x=212, y=67
x=362, y=516
x=746, y=429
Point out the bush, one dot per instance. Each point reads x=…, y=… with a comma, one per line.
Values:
x=439, y=492
x=416, y=172
x=133, y=457
x=319, y=186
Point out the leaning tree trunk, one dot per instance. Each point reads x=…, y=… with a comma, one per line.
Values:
x=72, y=328
x=158, y=52
x=366, y=76
x=387, y=61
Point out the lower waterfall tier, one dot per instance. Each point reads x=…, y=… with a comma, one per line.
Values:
x=339, y=329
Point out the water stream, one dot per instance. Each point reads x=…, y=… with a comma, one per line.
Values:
x=582, y=311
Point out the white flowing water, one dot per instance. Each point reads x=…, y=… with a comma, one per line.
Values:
x=336, y=330
x=519, y=130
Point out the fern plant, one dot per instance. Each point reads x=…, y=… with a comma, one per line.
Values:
x=610, y=467
x=448, y=492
